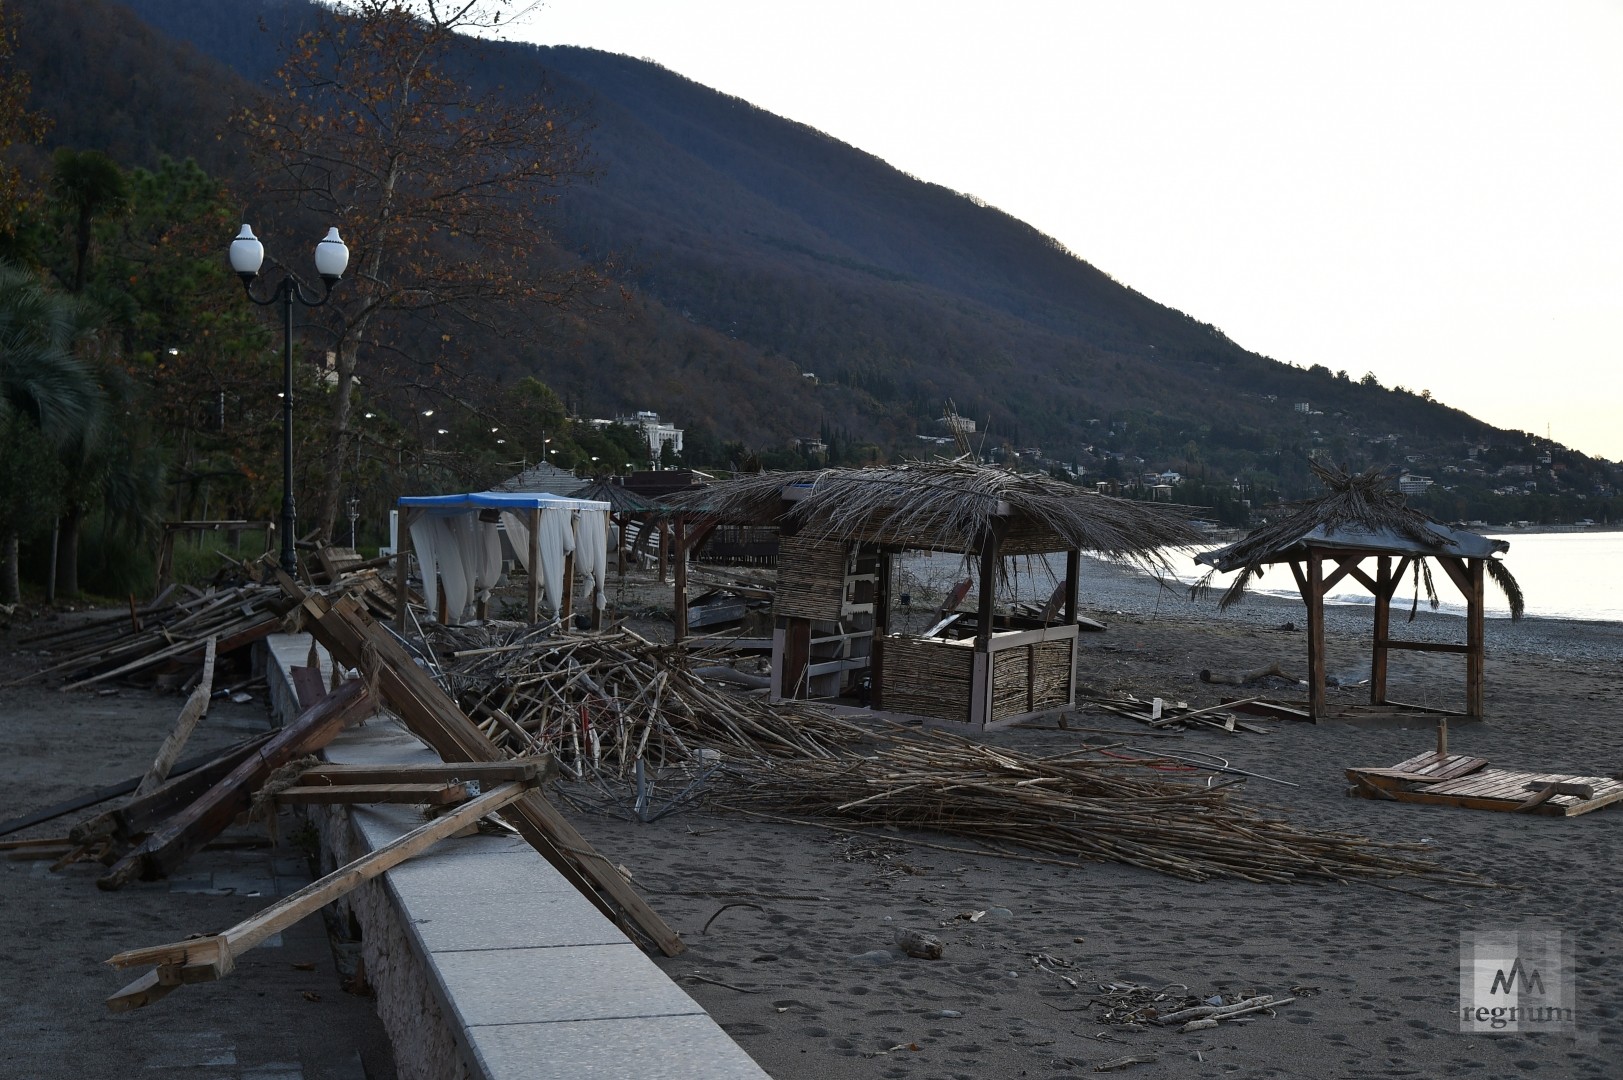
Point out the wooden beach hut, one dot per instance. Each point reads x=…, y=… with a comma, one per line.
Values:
x=1327, y=540
x=840, y=530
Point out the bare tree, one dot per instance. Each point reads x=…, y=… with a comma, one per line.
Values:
x=437, y=187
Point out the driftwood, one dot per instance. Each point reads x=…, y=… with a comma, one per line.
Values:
x=1245, y=678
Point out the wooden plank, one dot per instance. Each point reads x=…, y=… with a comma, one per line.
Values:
x=349, y=633
x=190, y=714
x=434, y=794
x=1425, y=646
x=1563, y=787
x=215, y=956
x=486, y=772
x=170, y=844
x=139, y=815
x=185, y=769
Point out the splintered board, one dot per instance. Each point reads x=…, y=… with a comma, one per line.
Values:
x=1459, y=780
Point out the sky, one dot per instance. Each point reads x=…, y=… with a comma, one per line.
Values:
x=1430, y=190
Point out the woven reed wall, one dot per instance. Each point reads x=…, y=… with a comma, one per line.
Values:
x=811, y=578
x=928, y=678
x=1015, y=692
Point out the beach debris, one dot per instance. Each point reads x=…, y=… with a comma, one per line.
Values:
x=163, y=642
x=1132, y=1006
x=1246, y=678
x=705, y=929
x=1441, y=778
x=602, y=702
x=1124, y=1062
x=918, y=944
x=213, y=956
x=1176, y=716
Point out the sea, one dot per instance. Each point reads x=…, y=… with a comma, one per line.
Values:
x=1563, y=575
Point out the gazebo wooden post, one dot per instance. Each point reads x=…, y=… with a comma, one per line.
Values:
x=402, y=559
x=679, y=601
x=1475, y=639
x=980, y=677
x=1073, y=584
x=1384, y=586
x=661, y=538
x=534, y=586
x=881, y=626
x=1314, y=595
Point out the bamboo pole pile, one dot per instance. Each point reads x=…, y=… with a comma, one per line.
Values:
x=169, y=633
x=599, y=702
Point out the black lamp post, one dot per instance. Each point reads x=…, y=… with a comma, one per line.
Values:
x=247, y=254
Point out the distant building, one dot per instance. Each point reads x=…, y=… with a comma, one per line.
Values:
x=1410, y=484
x=961, y=424
x=659, y=435
x=1303, y=406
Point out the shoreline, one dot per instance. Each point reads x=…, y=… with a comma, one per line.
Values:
x=1109, y=589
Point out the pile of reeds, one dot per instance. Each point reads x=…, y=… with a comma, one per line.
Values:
x=602, y=701
x=1073, y=807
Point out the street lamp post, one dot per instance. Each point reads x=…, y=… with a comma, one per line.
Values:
x=247, y=255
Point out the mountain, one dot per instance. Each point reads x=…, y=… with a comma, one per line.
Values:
x=783, y=284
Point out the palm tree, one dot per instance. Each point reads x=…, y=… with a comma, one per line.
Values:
x=49, y=399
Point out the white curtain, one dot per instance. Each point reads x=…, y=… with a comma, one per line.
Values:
x=592, y=551
x=460, y=553
x=556, y=540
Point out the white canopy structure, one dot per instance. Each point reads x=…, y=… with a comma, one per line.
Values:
x=459, y=550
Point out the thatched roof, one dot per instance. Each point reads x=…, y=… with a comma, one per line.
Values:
x=948, y=506
x=1357, y=512
x=621, y=499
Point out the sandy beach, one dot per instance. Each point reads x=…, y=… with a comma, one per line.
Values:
x=792, y=928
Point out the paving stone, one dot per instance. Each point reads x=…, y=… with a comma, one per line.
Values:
x=499, y=986
x=477, y=902
x=654, y=1048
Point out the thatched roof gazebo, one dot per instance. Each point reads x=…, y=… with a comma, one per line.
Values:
x=1359, y=517
x=839, y=529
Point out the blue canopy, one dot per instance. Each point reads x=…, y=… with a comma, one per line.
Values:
x=499, y=500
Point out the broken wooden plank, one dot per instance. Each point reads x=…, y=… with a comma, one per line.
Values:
x=190, y=715
x=433, y=794
x=348, y=631
x=486, y=772
x=172, y=842
x=199, y=959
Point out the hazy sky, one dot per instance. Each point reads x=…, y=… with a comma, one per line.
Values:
x=1426, y=189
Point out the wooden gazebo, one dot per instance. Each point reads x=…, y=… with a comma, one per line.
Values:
x=839, y=531
x=1327, y=541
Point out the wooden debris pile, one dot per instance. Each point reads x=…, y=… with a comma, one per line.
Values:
x=1176, y=716
x=1132, y=1007
x=162, y=642
x=598, y=703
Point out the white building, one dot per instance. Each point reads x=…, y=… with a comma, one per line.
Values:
x=659, y=435
x=1410, y=484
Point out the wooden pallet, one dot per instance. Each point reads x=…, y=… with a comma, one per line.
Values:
x=1460, y=780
